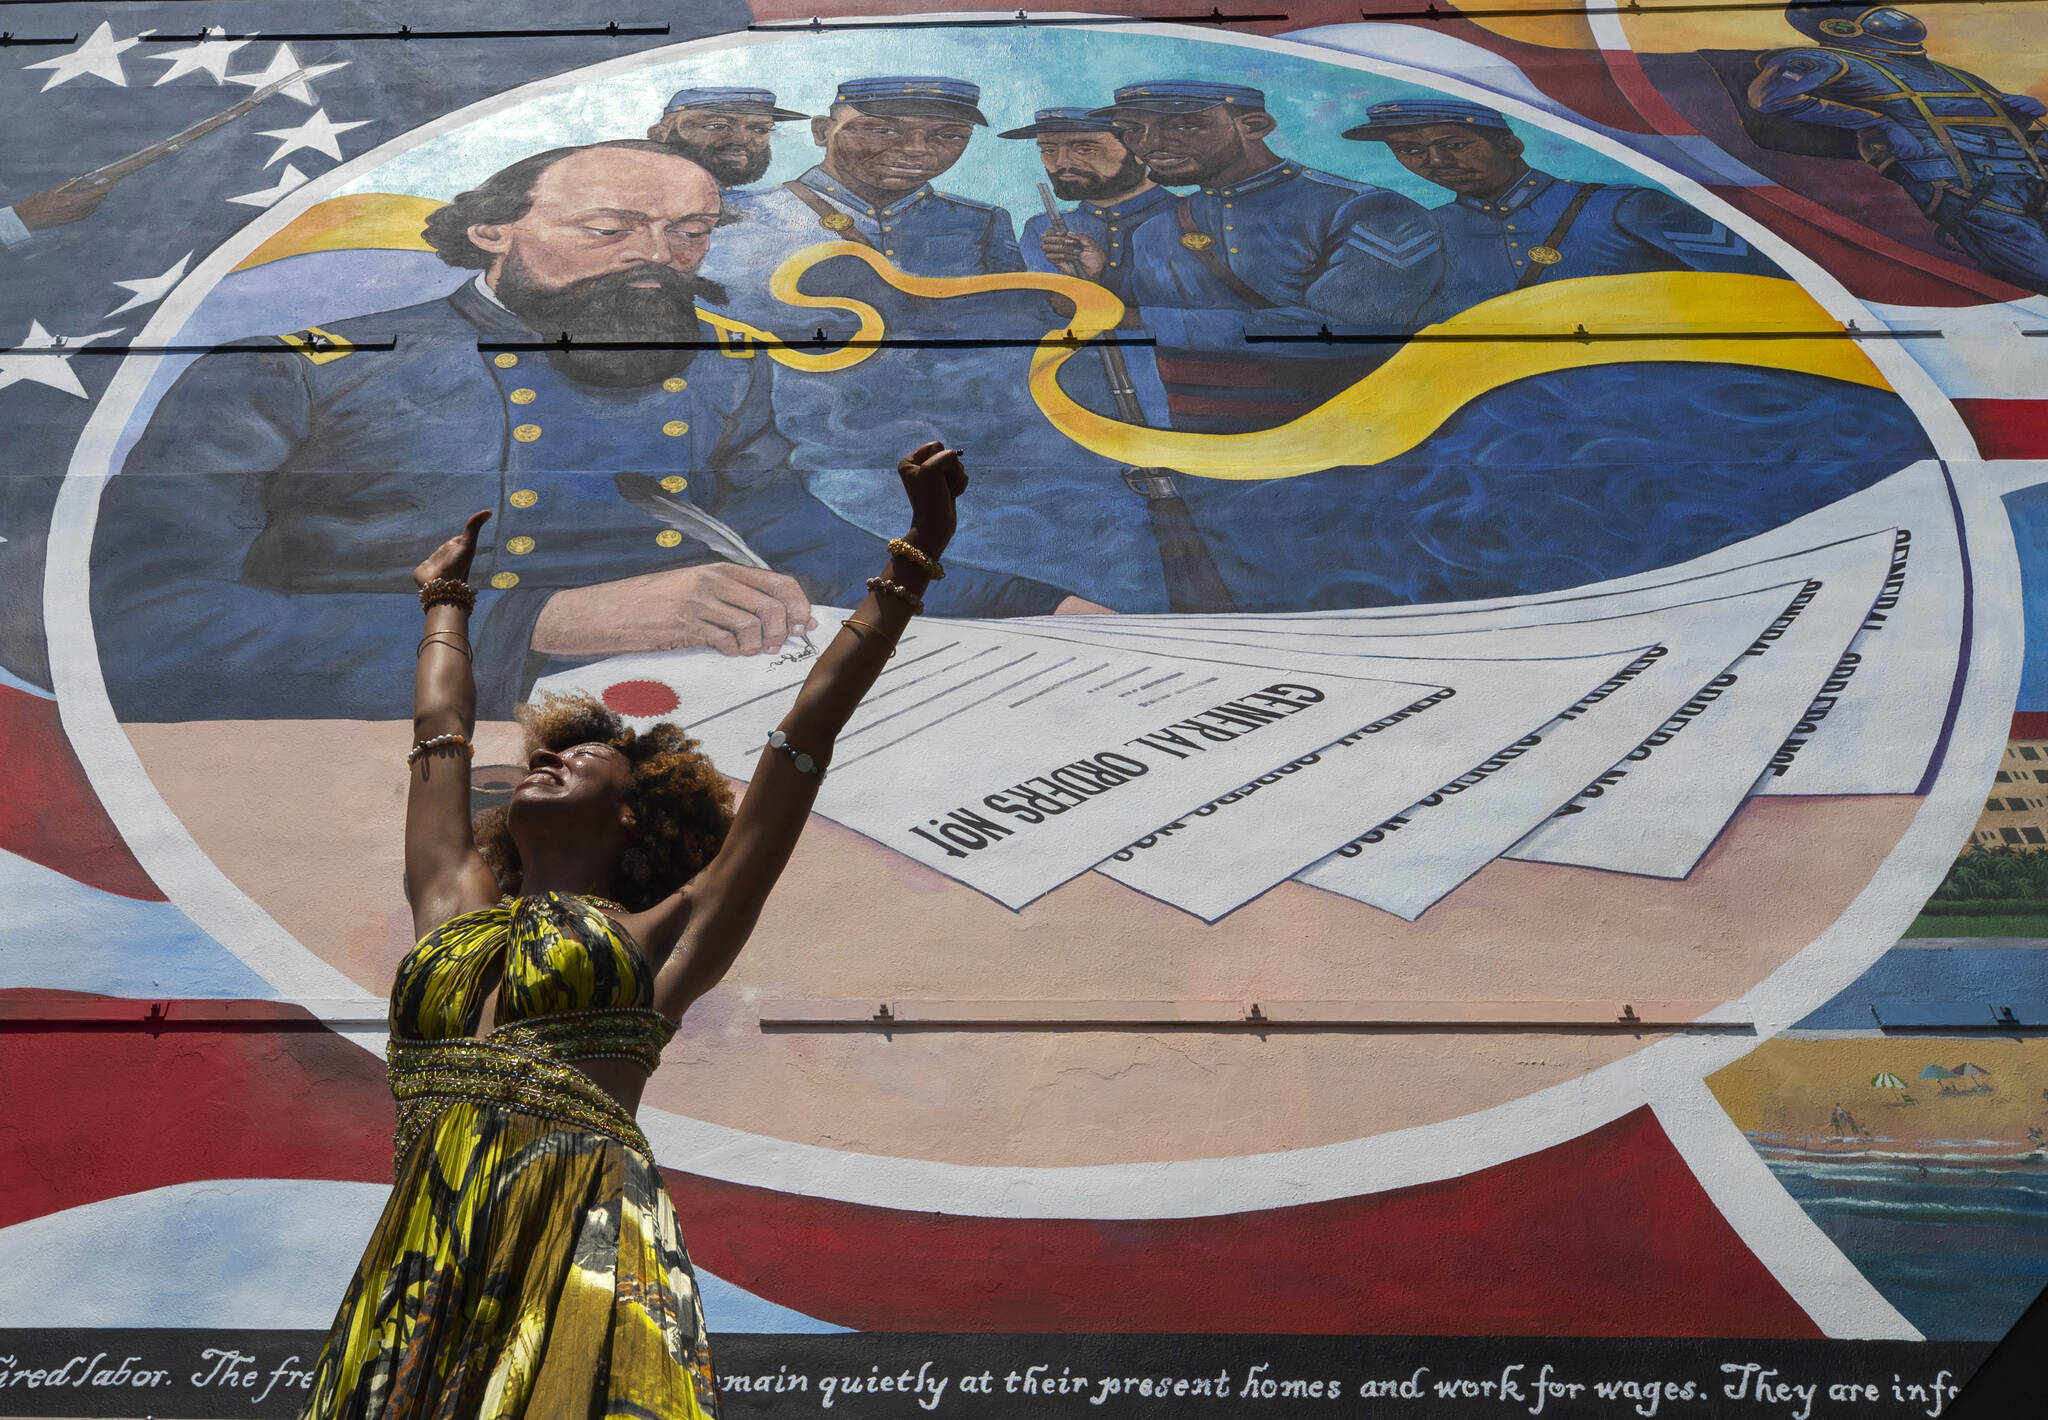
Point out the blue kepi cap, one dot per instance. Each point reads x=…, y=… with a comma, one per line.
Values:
x=913, y=96
x=1061, y=120
x=759, y=102
x=1397, y=114
x=1182, y=96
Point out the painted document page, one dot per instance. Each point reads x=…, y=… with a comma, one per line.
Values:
x=1012, y=763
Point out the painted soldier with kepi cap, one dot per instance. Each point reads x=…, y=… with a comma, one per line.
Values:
x=728, y=131
x=886, y=140
x=1088, y=165
x=1263, y=244
x=1084, y=159
x=1512, y=226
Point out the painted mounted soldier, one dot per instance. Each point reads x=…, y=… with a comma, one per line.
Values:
x=1973, y=158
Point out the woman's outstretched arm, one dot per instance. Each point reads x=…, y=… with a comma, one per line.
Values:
x=710, y=919
x=444, y=874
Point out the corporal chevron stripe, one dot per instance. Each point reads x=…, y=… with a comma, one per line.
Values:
x=1717, y=242
x=1395, y=253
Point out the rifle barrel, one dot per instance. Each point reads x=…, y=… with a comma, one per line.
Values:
x=1116, y=372
x=164, y=147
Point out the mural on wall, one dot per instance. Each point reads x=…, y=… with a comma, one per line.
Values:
x=1433, y=788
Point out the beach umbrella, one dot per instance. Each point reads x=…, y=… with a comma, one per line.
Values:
x=1889, y=1081
x=1966, y=1069
x=1938, y=1072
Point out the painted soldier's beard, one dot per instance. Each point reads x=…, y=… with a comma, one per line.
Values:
x=610, y=308
x=1073, y=185
x=729, y=166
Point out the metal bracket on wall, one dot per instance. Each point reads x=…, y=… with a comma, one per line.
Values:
x=817, y=25
x=58, y=1013
x=1261, y=1016
x=613, y=30
x=1581, y=335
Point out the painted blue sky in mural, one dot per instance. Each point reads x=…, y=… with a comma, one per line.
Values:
x=1018, y=74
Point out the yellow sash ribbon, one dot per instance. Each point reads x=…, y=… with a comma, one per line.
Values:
x=1687, y=317
x=1384, y=414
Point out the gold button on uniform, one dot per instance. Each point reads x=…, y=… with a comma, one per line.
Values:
x=675, y=483
x=526, y=433
x=519, y=546
x=524, y=498
x=675, y=384
x=668, y=537
x=505, y=360
x=504, y=580
x=522, y=396
x=674, y=428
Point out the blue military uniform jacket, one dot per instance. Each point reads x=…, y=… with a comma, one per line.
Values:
x=1620, y=229
x=925, y=232
x=1110, y=225
x=1319, y=250
x=253, y=556
x=1322, y=249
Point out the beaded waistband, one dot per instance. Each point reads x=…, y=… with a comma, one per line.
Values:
x=601, y=1033
x=523, y=1067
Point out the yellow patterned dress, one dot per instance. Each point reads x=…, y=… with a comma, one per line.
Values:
x=529, y=1262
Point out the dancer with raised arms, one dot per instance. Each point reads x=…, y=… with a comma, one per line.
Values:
x=529, y=1262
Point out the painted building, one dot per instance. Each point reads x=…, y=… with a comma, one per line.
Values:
x=2015, y=814
x=1505, y=563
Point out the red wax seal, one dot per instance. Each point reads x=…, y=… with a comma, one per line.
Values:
x=640, y=698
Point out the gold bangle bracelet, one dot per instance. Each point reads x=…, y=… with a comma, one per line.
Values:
x=869, y=625
x=434, y=638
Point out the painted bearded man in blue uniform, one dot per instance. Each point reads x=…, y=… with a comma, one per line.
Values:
x=1972, y=157
x=728, y=131
x=252, y=555
x=1088, y=165
x=1512, y=226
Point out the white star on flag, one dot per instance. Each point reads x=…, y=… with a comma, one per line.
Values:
x=320, y=133
x=292, y=178
x=99, y=56
x=285, y=62
x=151, y=289
x=210, y=57
x=52, y=370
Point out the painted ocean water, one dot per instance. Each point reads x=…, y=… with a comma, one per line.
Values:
x=1953, y=1231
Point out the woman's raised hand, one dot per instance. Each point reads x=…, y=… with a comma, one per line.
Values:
x=934, y=479
x=452, y=558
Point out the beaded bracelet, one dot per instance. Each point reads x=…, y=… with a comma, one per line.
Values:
x=433, y=638
x=804, y=763
x=898, y=591
x=917, y=557
x=460, y=742
x=448, y=589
